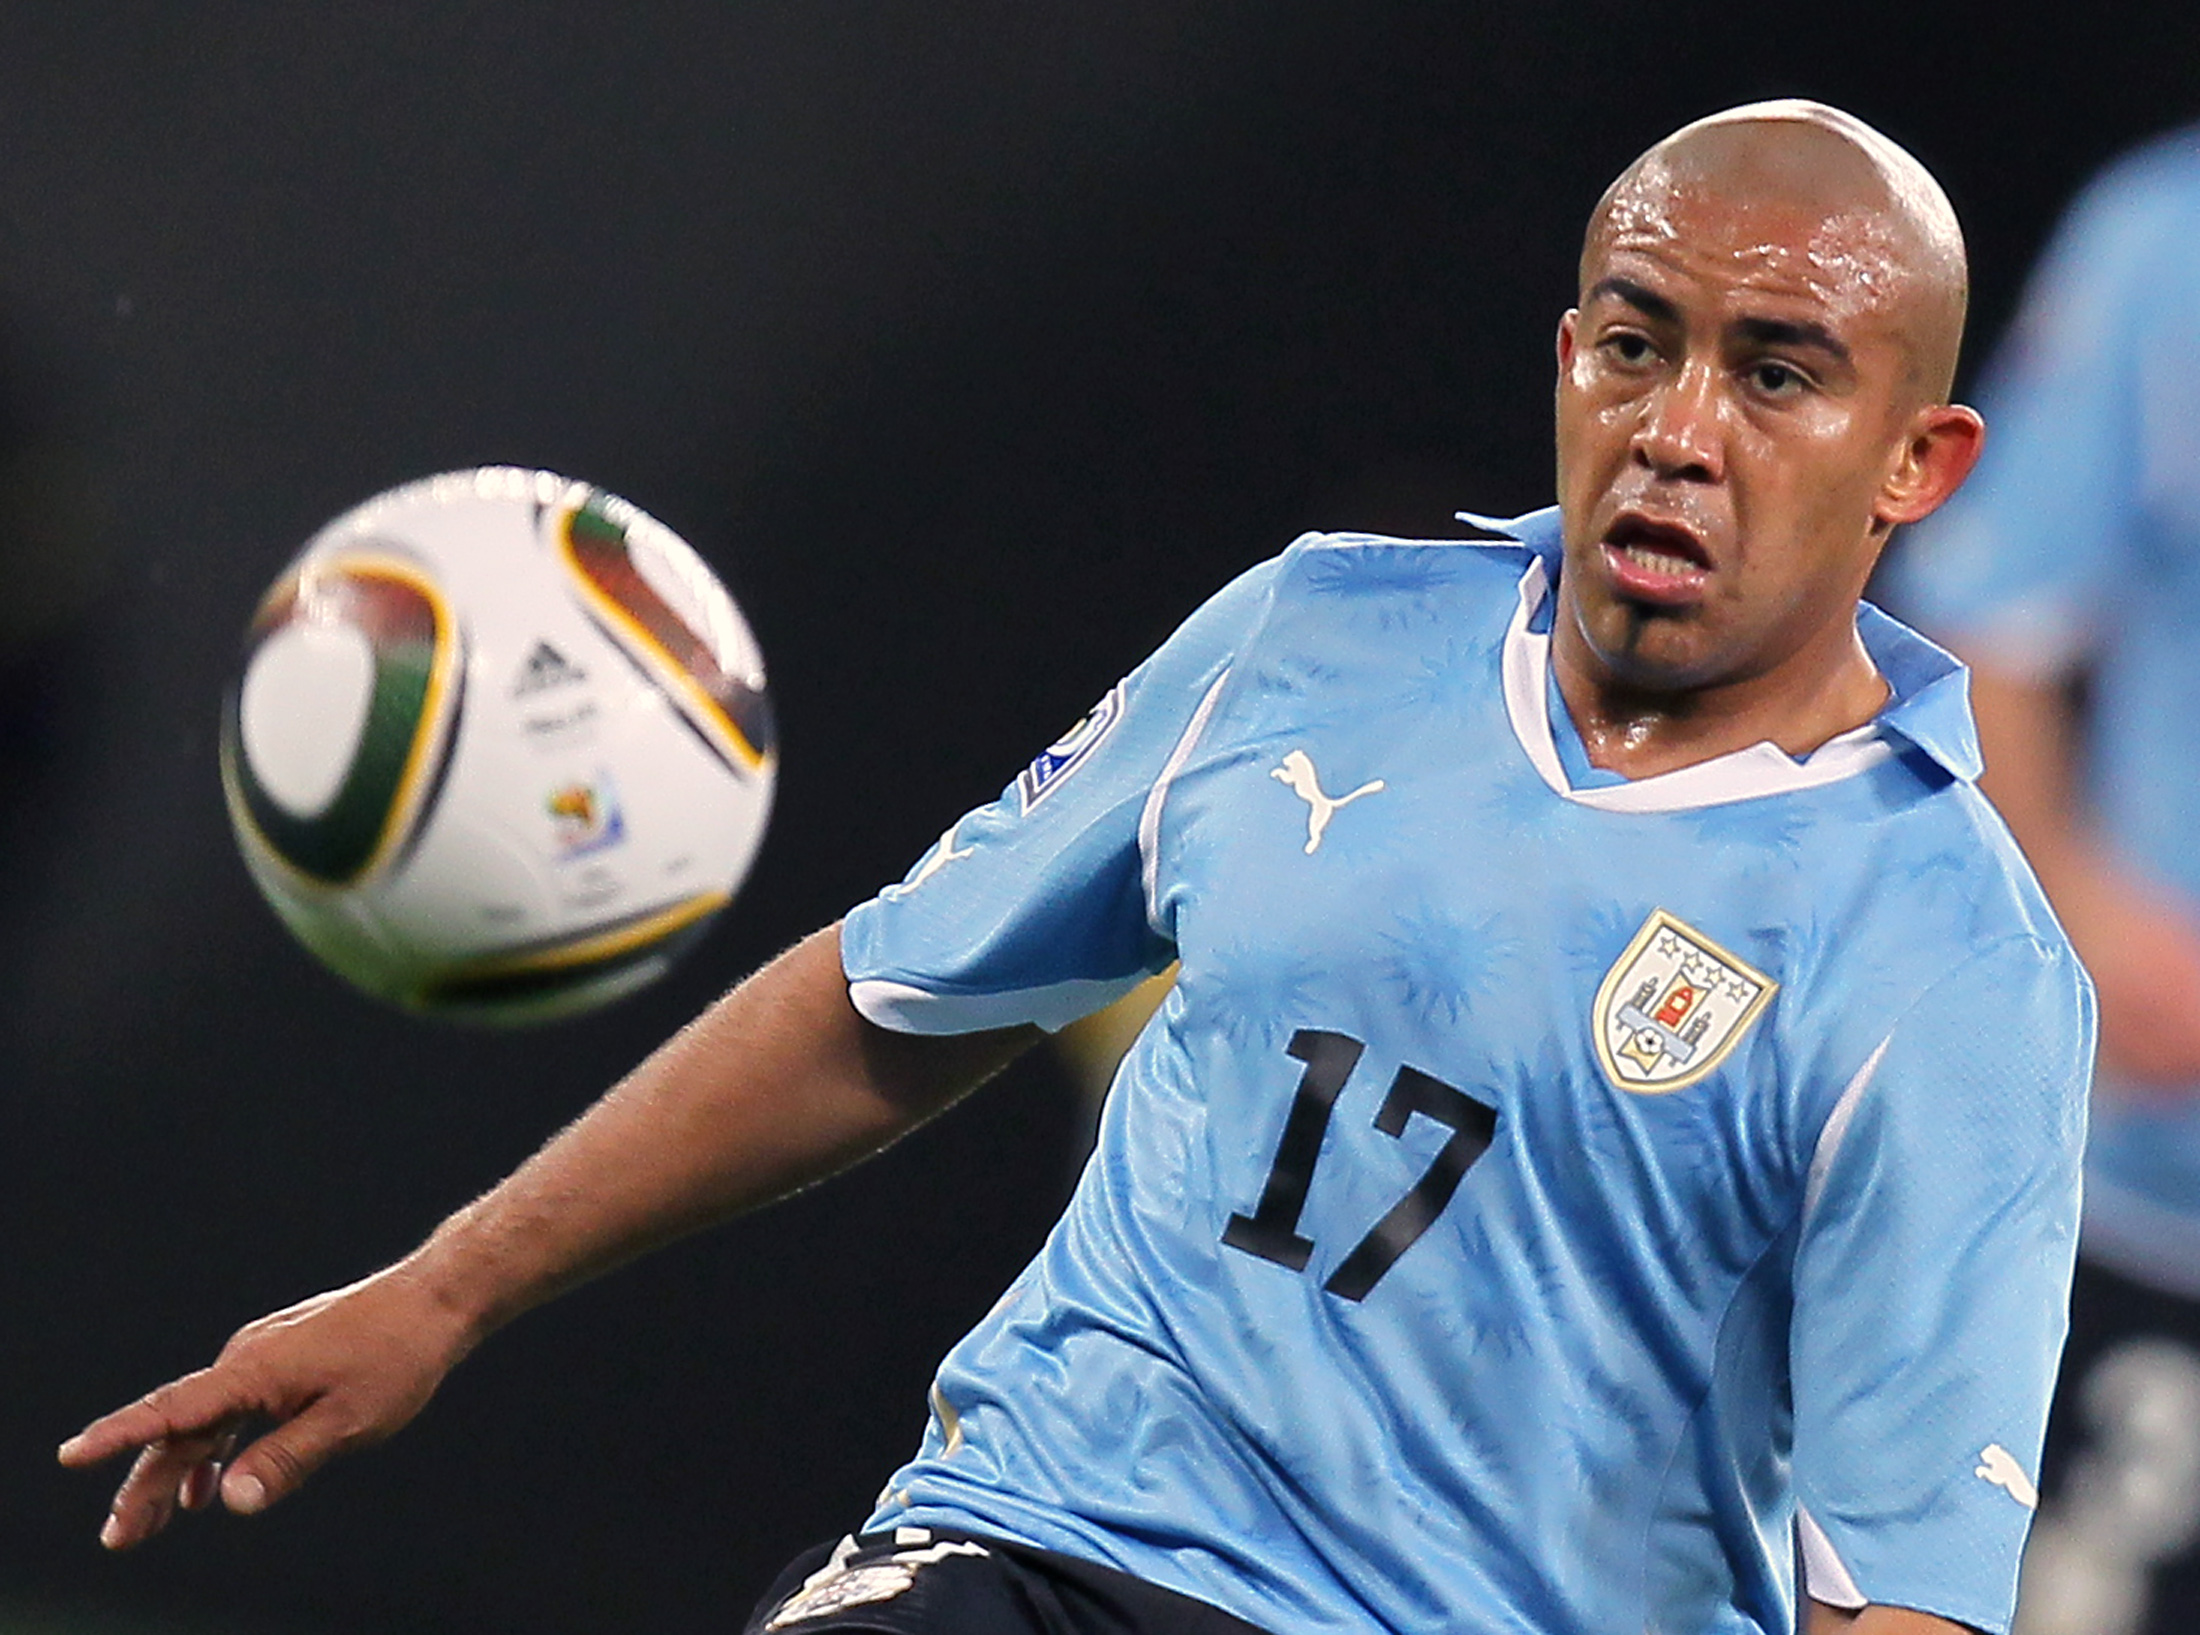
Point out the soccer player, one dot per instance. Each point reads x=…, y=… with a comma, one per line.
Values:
x=2068, y=573
x=1616, y=1124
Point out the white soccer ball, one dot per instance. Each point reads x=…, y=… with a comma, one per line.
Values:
x=500, y=746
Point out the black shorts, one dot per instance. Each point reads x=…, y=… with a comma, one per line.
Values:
x=919, y=1581
x=2116, y=1547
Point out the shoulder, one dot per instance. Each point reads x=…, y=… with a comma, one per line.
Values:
x=1941, y=875
x=1922, y=927
x=1316, y=566
x=1351, y=609
x=1308, y=602
x=1330, y=568
x=2006, y=898
x=1994, y=966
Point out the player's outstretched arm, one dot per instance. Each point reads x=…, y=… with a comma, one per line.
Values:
x=777, y=1085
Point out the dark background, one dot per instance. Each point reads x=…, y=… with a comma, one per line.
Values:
x=973, y=343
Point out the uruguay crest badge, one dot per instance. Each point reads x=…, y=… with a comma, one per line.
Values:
x=1672, y=1006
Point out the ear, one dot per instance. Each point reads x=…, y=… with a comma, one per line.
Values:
x=1566, y=324
x=1942, y=445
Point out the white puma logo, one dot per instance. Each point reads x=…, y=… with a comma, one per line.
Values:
x=942, y=854
x=1298, y=772
x=1999, y=1466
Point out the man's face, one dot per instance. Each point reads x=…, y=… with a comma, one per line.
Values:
x=1732, y=398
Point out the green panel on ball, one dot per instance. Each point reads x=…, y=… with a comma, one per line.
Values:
x=402, y=744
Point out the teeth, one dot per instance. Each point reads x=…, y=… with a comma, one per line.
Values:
x=1657, y=561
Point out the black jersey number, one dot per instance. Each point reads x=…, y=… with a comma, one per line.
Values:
x=1272, y=1230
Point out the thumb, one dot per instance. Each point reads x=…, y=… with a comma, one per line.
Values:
x=278, y=1464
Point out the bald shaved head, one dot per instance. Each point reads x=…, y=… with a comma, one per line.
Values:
x=1752, y=395
x=1888, y=237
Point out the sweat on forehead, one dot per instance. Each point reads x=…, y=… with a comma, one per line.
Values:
x=1805, y=156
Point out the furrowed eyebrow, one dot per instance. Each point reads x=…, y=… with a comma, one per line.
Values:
x=1645, y=301
x=1782, y=332
x=1788, y=332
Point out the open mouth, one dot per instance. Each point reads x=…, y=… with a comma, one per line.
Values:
x=1662, y=547
x=1656, y=560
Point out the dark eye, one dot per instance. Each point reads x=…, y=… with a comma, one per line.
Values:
x=1777, y=379
x=1629, y=349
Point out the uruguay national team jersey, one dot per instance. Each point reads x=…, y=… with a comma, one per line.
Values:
x=2075, y=548
x=1541, y=1196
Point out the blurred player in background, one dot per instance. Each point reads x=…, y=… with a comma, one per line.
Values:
x=2068, y=575
x=1616, y=1122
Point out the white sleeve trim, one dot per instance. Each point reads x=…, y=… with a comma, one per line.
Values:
x=1825, y=1575
x=901, y=1008
x=1149, y=820
x=1837, y=1127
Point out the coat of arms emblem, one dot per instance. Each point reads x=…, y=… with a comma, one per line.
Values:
x=1672, y=1006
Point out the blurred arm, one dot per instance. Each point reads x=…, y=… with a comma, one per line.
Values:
x=779, y=1084
x=2138, y=937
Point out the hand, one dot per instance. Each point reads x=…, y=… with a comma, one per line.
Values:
x=2141, y=941
x=340, y=1371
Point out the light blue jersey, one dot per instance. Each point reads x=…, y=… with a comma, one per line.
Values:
x=1535, y=1183
x=2075, y=548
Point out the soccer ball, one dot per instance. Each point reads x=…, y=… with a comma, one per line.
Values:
x=500, y=745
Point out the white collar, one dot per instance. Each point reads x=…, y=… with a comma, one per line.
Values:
x=1742, y=774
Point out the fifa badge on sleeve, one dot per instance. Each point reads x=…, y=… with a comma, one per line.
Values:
x=1067, y=753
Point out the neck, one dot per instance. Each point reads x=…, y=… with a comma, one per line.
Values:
x=1640, y=730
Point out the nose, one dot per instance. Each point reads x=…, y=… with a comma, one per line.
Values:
x=1680, y=437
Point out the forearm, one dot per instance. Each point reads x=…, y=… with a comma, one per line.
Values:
x=778, y=1085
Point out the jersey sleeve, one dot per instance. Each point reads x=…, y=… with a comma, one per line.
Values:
x=1035, y=908
x=1932, y=1287
x=2018, y=559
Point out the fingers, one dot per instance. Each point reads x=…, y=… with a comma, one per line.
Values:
x=339, y=1371
x=202, y=1482
x=187, y=1473
x=195, y=1405
x=185, y=1431
x=166, y=1475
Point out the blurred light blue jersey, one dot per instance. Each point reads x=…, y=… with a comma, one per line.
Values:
x=1535, y=1182
x=2075, y=550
